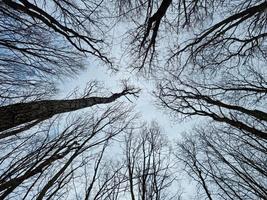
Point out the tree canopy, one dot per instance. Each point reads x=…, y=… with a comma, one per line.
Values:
x=207, y=60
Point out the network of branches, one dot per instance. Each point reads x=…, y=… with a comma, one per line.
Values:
x=207, y=59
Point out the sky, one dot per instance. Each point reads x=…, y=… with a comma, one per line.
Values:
x=145, y=104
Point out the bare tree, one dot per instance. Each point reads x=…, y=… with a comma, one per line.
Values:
x=231, y=98
x=149, y=165
x=226, y=163
x=74, y=161
x=44, y=163
x=41, y=41
x=196, y=34
x=140, y=169
x=209, y=57
x=36, y=111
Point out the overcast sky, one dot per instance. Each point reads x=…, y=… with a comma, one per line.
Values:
x=145, y=104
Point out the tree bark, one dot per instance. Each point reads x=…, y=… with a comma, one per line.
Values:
x=21, y=113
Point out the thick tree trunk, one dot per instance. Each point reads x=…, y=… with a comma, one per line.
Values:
x=20, y=113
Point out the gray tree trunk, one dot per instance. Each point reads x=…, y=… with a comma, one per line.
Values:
x=20, y=113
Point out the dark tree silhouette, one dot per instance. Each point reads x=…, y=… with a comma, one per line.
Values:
x=149, y=165
x=69, y=24
x=209, y=61
x=199, y=34
x=214, y=71
x=43, y=41
x=44, y=162
x=227, y=164
x=36, y=111
x=231, y=98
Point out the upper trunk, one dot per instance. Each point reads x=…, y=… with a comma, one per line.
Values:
x=20, y=113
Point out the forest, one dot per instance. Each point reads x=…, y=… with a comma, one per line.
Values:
x=206, y=65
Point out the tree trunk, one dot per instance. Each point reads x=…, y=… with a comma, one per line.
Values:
x=20, y=113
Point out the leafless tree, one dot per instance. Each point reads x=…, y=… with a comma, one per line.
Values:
x=216, y=72
x=149, y=165
x=232, y=98
x=42, y=41
x=46, y=162
x=210, y=59
x=140, y=169
x=196, y=34
x=226, y=163
x=34, y=112
x=75, y=160
x=227, y=157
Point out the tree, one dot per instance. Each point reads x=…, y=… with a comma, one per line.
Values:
x=142, y=168
x=235, y=100
x=149, y=166
x=217, y=68
x=227, y=157
x=36, y=111
x=227, y=164
x=42, y=41
x=44, y=163
x=196, y=34
x=217, y=73
x=73, y=160
x=208, y=58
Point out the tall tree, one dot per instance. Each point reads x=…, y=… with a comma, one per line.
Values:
x=195, y=34
x=43, y=41
x=231, y=98
x=210, y=58
x=226, y=164
x=36, y=111
x=149, y=165
x=44, y=162
x=141, y=169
